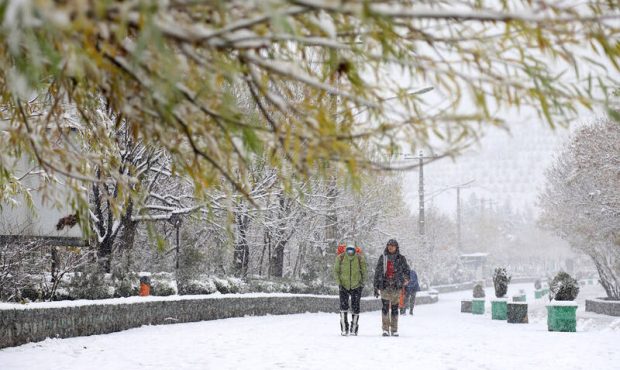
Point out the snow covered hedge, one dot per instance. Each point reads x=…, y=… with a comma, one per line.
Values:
x=87, y=285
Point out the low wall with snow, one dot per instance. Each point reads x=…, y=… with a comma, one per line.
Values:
x=603, y=306
x=453, y=287
x=33, y=322
x=468, y=285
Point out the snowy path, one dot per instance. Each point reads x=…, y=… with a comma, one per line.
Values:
x=436, y=337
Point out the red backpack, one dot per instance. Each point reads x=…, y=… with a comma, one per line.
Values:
x=343, y=247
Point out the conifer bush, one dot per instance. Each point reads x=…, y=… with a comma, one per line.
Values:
x=500, y=281
x=478, y=291
x=563, y=287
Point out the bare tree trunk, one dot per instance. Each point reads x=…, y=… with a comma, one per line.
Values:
x=241, y=254
x=278, y=259
x=331, y=222
x=126, y=242
x=262, y=254
x=607, y=276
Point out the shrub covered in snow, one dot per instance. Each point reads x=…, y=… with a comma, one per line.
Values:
x=30, y=293
x=563, y=287
x=537, y=284
x=298, y=287
x=478, y=291
x=316, y=286
x=202, y=285
x=163, y=284
x=229, y=285
x=500, y=281
x=265, y=286
x=91, y=284
x=125, y=284
x=319, y=286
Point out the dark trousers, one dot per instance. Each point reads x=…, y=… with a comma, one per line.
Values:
x=409, y=300
x=355, y=294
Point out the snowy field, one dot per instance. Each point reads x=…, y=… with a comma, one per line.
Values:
x=437, y=336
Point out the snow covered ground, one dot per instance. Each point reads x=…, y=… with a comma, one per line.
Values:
x=437, y=336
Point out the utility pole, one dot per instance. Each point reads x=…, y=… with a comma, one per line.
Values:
x=459, y=217
x=421, y=218
x=421, y=194
x=459, y=240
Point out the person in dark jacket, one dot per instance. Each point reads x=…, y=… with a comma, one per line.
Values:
x=410, y=291
x=391, y=275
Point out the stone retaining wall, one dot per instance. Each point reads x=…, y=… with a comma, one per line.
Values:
x=19, y=326
x=603, y=306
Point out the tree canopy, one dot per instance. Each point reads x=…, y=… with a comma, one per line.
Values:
x=309, y=85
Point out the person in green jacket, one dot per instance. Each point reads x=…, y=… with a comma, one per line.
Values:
x=350, y=272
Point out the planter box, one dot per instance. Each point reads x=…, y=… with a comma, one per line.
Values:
x=517, y=313
x=519, y=298
x=499, y=309
x=538, y=294
x=603, y=306
x=477, y=306
x=466, y=306
x=561, y=316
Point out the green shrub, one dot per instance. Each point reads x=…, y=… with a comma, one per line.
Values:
x=478, y=291
x=204, y=285
x=31, y=294
x=163, y=288
x=563, y=287
x=90, y=284
x=126, y=286
x=500, y=281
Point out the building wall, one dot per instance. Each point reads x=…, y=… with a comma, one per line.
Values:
x=51, y=203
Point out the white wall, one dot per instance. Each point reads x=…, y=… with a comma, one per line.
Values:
x=51, y=203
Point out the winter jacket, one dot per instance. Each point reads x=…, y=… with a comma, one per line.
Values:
x=350, y=272
x=401, y=271
x=413, y=285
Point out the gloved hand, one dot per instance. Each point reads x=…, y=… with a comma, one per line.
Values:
x=377, y=293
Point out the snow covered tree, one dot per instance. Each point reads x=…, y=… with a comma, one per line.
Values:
x=171, y=70
x=581, y=202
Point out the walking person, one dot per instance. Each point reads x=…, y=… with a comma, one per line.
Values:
x=350, y=272
x=410, y=292
x=391, y=275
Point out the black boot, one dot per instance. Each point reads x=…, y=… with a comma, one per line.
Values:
x=344, y=323
x=354, y=324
